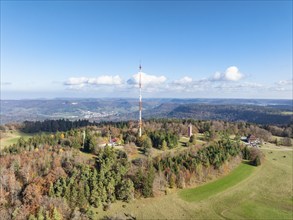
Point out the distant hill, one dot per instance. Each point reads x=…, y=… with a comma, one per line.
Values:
x=262, y=111
x=248, y=113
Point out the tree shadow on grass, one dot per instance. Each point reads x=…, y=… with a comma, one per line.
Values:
x=182, y=143
x=247, y=162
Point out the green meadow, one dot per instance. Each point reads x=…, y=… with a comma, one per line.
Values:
x=11, y=137
x=210, y=189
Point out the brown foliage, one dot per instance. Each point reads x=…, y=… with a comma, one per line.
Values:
x=25, y=179
x=254, y=152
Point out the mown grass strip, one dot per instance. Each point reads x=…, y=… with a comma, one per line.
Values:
x=210, y=189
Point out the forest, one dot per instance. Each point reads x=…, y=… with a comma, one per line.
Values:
x=72, y=168
x=250, y=113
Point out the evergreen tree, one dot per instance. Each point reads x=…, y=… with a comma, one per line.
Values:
x=47, y=215
x=125, y=191
x=32, y=217
x=51, y=190
x=90, y=143
x=172, y=180
x=40, y=214
x=147, y=145
x=164, y=145
x=56, y=215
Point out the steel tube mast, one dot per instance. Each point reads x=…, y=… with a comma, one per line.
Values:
x=140, y=102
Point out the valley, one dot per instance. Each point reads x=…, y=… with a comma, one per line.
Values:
x=255, y=111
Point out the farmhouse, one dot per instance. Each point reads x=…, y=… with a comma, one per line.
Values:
x=251, y=140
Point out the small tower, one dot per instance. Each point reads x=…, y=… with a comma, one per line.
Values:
x=189, y=130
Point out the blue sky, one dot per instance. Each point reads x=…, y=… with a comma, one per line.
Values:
x=188, y=49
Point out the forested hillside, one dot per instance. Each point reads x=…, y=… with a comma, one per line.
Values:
x=248, y=113
x=65, y=174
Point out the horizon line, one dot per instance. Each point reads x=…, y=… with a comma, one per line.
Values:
x=80, y=98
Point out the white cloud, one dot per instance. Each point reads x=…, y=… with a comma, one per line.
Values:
x=283, y=86
x=184, y=80
x=219, y=82
x=106, y=80
x=285, y=82
x=232, y=73
x=76, y=87
x=101, y=80
x=76, y=81
x=252, y=85
x=187, y=84
x=147, y=80
x=279, y=89
x=228, y=83
x=217, y=76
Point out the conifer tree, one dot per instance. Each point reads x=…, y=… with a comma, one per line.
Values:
x=164, y=145
x=56, y=215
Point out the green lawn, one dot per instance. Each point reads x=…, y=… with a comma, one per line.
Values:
x=210, y=189
x=182, y=142
x=199, y=140
x=11, y=137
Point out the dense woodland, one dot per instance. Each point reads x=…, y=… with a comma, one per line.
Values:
x=63, y=175
x=52, y=125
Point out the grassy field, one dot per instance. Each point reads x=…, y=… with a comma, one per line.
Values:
x=264, y=193
x=11, y=137
x=210, y=189
x=183, y=141
x=199, y=140
x=181, y=147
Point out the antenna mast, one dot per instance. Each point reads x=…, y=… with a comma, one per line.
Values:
x=140, y=102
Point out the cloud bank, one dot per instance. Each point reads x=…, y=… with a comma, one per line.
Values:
x=285, y=82
x=184, y=80
x=231, y=81
x=101, y=80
